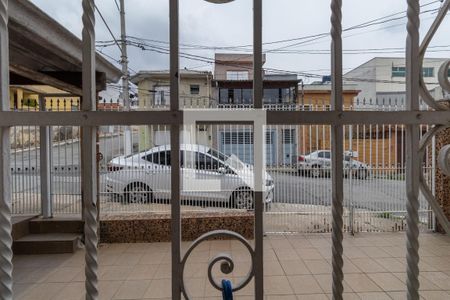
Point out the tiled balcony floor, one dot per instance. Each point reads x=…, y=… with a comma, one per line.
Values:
x=296, y=267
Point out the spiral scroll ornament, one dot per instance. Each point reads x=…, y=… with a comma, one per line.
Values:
x=444, y=165
x=443, y=71
x=225, y=260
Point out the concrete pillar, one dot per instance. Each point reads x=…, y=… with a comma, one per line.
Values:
x=45, y=166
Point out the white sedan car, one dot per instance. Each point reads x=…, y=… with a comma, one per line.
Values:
x=318, y=163
x=206, y=174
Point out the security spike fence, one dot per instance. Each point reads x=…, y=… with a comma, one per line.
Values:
x=298, y=183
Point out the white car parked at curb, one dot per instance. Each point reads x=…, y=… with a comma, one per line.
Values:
x=206, y=174
x=318, y=164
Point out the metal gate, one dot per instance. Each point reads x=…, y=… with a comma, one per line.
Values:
x=338, y=119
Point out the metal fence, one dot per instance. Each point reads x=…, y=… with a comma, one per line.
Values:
x=301, y=197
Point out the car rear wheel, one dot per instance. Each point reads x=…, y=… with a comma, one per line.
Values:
x=243, y=199
x=138, y=192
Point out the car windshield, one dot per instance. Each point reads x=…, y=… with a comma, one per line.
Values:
x=217, y=154
x=234, y=162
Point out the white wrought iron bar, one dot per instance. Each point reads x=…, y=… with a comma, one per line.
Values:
x=6, y=267
x=413, y=159
x=259, y=145
x=88, y=153
x=175, y=151
x=45, y=166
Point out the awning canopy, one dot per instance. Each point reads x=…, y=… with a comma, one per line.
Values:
x=42, y=51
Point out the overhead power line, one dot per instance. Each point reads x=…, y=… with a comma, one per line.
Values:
x=117, y=5
x=107, y=26
x=304, y=39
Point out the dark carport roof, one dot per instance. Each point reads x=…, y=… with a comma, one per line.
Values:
x=42, y=51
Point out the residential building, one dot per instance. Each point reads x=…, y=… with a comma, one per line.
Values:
x=154, y=93
x=382, y=79
x=319, y=94
x=317, y=97
x=233, y=85
x=234, y=66
x=26, y=97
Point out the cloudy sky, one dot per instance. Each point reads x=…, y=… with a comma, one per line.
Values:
x=212, y=26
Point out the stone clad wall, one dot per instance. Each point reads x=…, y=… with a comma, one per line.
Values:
x=148, y=228
x=442, y=180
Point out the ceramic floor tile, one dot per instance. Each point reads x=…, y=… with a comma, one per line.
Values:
x=374, y=296
x=374, y=268
x=374, y=252
x=66, y=274
x=325, y=281
x=142, y=272
x=294, y=267
x=72, y=291
x=434, y=295
x=132, y=289
x=277, y=285
x=107, y=289
x=367, y=265
x=361, y=283
x=273, y=268
x=43, y=291
x=318, y=266
x=304, y=284
x=313, y=297
x=391, y=264
x=439, y=279
x=387, y=282
x=159, y=288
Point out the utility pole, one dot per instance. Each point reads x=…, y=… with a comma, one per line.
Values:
x=125, y=78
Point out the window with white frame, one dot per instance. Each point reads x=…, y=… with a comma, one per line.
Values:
x=398, y=71
x=428, y=72
x=195, y=89
x=162, y=95
x=237, y=75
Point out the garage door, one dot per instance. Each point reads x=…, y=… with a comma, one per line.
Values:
x=240, y=143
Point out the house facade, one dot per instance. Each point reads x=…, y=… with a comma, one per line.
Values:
x=384, y=79
x=233, y=85
x=27, y=97
x=154, y=93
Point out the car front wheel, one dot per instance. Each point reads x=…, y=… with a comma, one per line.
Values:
x=138, y=192
x=243, y=199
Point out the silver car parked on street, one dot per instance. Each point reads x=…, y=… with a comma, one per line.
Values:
x=206, y=175
x=318, y=164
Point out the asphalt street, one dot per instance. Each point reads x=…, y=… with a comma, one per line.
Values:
x=371, y=194
x=290, y=188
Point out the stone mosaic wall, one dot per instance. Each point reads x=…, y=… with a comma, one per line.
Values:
x=149, y=227
x=442, y=180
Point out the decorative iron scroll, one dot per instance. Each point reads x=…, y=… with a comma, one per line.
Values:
x=444, y=164
x=443, y=71
x=437, y=104
x=227, y=264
